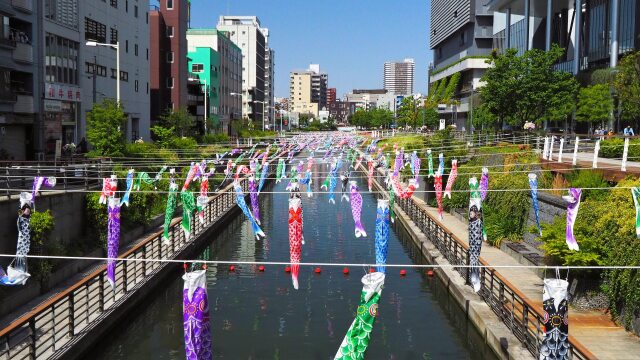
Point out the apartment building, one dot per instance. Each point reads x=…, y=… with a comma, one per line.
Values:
x=399, y=75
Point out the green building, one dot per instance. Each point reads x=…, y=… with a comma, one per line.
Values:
x=217, y=62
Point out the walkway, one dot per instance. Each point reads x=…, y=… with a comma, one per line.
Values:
x=610, y=168
x=594, y=329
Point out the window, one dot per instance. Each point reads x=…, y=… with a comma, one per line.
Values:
x=61, y=60
x=169, y=31
x=170, y=56
x=126, y=46
x=64, y=12
x=135, y=10
x=126, y=5
x=136, y=86
x=147, y=53
x=455, y=14
x=197, y=68
x=113, y=73
x=135, y=49
x=124, y=76
x=114, y=3
x=147, y=87
x=170, y=83
x=99, y=69
x=462, y=38
x=169, y=4
x=95, y=31
x=114, y=36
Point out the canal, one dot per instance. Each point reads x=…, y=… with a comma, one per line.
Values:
x=258, y=315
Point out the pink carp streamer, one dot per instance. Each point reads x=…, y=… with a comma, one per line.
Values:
x=190, y=175
x=403, y=193
x=438, y=186
x=453, y=174
x=203, y=199
x=295, y=237
x=109, y=187
x=356, y=210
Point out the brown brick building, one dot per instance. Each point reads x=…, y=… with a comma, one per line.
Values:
x=168, y=56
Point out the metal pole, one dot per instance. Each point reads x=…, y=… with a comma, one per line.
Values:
x=527, y=15
x=263, y=116
x=547, y=46
x=613, y=59
x=577, y=26
x=118, y=72
x=206, y=94
x=508, y=29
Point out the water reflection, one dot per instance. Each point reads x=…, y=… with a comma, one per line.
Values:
x=258, y=315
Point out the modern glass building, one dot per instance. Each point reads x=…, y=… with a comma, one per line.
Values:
x=594, y=33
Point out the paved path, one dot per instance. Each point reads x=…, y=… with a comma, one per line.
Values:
x=594, y=329
x=610, y=168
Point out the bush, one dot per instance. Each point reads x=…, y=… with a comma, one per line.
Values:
x=611, y=148
x=41, y=226
x=214, y=138
x=589, y=179
x=141, y=150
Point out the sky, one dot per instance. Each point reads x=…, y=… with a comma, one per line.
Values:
x=350, y=39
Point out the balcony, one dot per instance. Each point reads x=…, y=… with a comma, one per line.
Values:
x=483, y=32
x=23, y=53
x=23, y=104
x=23, y=5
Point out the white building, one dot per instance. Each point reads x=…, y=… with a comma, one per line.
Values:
x=398, y=76
x=247, y=33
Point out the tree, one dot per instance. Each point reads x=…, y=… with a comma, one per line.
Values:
x=180, y=119
x=360, y=118
x=594, y=104
x=528, y=88
x=380, y=117
x=409, y=111
x=105, y=125
x=627, y=84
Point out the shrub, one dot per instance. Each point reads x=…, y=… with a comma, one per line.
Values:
x=214, y=138
x=41, y=226
x=141, y=150
x=611, y=148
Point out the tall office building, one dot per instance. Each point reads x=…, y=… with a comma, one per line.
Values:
x=20, y=77
x=398, y=76
x=319, y=83
x=247, y=33
x=460, y=35
x=168, y=56
x=217, y=62
x=331, y=96
x=269, y=80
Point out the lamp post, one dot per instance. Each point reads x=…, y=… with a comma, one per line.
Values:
x=117, y=47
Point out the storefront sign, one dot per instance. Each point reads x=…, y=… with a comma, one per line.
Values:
x=62, y=92
x=52, y=106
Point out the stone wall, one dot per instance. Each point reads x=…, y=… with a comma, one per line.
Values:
x=550, y=207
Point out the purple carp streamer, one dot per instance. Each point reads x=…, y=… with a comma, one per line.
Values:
x=38, y=182
x=113, y=239
x=573, y=203
x=195, y=316
x=415, y=166
x=484, y=183
x=555, y=344
x=635, y=193
x=253, y=196
x=356, y=210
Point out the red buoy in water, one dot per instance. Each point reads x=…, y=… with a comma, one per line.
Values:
x=232, y=268
x=345, y=271
x=372, y=270
x=287, y=269
x=430, y=273
x=261, y=268
x=317, y=270
x=403, y=272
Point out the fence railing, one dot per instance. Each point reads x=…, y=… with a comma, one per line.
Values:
x=523, y=318
x=61, y=320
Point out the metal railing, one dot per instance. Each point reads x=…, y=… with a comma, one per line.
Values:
x=63, y=319
x=523, y=318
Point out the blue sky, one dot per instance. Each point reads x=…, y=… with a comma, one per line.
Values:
x=350, y=39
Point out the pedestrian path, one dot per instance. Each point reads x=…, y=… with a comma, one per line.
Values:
x=593, y=329
x=610, y=168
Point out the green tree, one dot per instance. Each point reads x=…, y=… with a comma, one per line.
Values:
x=627, y=84
x=361, y=118
x=163, y=136
x=381, y=117
x=594, y=104
x=409, y=111
x=528, y=88
x=180, y=120
x=105, y=125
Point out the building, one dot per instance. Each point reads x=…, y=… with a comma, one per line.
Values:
x=168, y=56
x=331, y=96
x=461, y=39
x=365, y=99
x=20, y=77
x=398, y=76
x=124, y=23
x=247, y=33
x=217, y=61
x=319, y=83
x=300, y=93
x=609, y=29
x=269, y=80
x=340, y=110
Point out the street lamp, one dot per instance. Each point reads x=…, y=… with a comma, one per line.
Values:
x=117, y=47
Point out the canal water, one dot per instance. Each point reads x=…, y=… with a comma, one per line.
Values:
x=258, y=315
